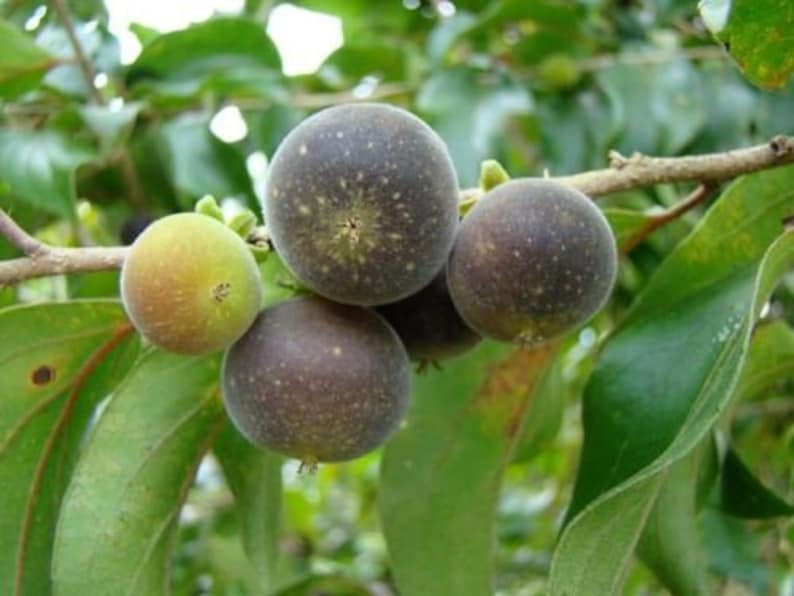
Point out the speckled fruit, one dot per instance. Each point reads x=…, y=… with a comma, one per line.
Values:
x=190, y=285
x=317, y=381
x=428, y=323
x=532, y=260
x=361, y=203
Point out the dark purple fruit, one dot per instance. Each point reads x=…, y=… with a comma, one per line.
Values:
x=361, y=203
x=428, y=323
x=317, y=381
x=133, y=227
x=532, y=260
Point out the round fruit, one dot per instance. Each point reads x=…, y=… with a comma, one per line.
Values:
x=190, y=285
x=361, y=203
x=428, y=323
x=317, y=381
x=532, y=260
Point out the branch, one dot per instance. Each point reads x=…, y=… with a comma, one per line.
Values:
x=700, y=194
x=637, y=171
x=128, y=172
x=89, y=74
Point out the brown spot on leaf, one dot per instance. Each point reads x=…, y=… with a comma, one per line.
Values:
x=505, y=395
x=43, y=375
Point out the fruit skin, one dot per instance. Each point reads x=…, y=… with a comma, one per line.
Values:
x=190, y=285
x=428, y=323
x=317, y=381
x=361, y=203
x=532, y=260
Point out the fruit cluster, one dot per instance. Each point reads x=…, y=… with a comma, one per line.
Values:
x=361, y=203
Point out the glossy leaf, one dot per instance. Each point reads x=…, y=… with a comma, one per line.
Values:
x=743, y=495
x=671, y=544
x=201, y=164
x=639, y=418
x=471, y=114
x=232, y=53
x=441, y=473
x=757, y=33
x=254, y=476
x=122, y=506
x=57, y=361
x=771, y=359
x=22, y=62
x=39, y=169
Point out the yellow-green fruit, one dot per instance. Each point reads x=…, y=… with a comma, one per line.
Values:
x=190, y=285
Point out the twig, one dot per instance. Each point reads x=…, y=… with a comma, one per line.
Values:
x=19, y=237
x=128, y=172
x=89, y=74
x=700, y=194
x=637, y=171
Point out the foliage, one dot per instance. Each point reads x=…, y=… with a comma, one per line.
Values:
x=648, y=451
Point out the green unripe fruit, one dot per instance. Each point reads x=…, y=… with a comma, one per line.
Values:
x=317, y=381
x=361, y=203
x=532, y=260
x=190, y=285
x=429, y=325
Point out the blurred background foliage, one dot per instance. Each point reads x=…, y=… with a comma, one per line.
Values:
x=542, y=86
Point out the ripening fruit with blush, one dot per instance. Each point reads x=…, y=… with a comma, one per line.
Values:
x=429, y=324
x=361, y=203
x=190, y=285
x=317, y=381
x=532, y=260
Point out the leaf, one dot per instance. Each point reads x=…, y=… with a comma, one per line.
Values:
x=625, y=223
x=471, y=114
x=39, y=169
x=661, y=107
x=757, y=33
x=771, y=359
x=441, y=473
x=122, y=506
x=671, y=544
x=201, y=164
x=112, y=126
x=22, y=62
x=254, y=477
x=56, y=362
x=649, y=402
x=227, y=53
x=544, y=414
x=743, y=495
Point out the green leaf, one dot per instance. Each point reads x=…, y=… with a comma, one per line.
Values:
x=22, y=62
x=111, y=126
x=224, y=53
x=441, y=473
x=471, y=114
x=743, y=495
x=671, y=544
x=201, y=164
x=757, y=34
x=771, y=359
x=122, y=506
x=639, y=417
x=661, y=107
x=544, y=414
x=625, y=223
x=56, y=361
x=254, y=477
x=39, y=169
